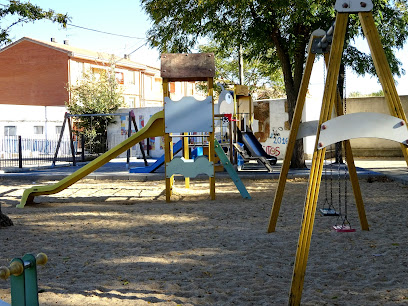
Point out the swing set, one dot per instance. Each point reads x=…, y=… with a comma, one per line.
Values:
x=340, y=129
x=67, y=121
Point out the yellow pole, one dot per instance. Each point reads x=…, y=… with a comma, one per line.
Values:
x=317, y=162
x=211, y=148
x=186, y=154
x=383, y=70
x=168, y=146
x=297, y=118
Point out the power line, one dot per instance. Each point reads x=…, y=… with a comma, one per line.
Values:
x=137, y=48
x=108, y=33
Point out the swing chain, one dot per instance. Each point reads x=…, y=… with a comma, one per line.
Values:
x=345, y=155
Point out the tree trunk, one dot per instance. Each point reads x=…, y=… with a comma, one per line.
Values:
x=298, y=157
x=292, y=75
x=5, y=221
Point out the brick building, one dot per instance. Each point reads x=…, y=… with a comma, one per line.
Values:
x=34, y=76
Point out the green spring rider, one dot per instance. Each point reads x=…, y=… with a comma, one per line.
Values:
x=23, y=279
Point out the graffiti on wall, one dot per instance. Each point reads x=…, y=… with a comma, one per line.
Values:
x=271, y=132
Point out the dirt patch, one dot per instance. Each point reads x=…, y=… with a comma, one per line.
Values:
x=120, y=243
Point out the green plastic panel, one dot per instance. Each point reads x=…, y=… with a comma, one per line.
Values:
x=231, y=171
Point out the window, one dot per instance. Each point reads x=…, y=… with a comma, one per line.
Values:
x=172, y=87
x=132, y=79
x=120, y=77
x=10, y=130
x=98, y=72
x=58, y=129
x=38, y=130
x=132, y=102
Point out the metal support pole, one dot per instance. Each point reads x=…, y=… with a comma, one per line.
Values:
x=20, y=153
x=60, y=139
x=83, y=147
x=71, y=141
x=129, y=134
x=132, y=116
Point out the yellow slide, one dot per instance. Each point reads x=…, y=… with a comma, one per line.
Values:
x=155, y=127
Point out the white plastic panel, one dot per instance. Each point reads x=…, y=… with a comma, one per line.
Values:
x=188, y=115
x=363, y=125
x=308, y=128
x=189, y=167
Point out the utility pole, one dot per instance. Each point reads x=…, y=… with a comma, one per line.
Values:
x=241, y=65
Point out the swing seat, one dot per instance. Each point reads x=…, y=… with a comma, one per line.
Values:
x=343, y=228
x=328, y=212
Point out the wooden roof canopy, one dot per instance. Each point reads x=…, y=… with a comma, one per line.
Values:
x=179, y=67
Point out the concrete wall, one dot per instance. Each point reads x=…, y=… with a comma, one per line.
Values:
x=118, y=131
x=26, y=117
x=271, y=126
x=374, y=146
x=31, y=74
x=273, y=131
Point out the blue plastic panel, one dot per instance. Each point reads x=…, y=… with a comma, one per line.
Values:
x=188, y=115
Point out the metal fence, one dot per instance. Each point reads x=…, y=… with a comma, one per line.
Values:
x=16, y=151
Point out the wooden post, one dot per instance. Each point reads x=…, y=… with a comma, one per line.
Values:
x=186, y=154
x=297, y=118
x=309, y=212
x=167, y=146
x=211, y=148
x=383, y=70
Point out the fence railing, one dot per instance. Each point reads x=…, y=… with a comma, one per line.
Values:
x=16, y=151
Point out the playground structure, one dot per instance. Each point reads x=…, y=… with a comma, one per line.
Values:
x=178, y=121
x=23, y=279
x=237, y=104
x=329, y=132
x=190, y=117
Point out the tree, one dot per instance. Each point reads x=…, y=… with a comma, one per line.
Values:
x=277, y=32
x=20, y=12
x=258, y=77
x=95, y=93
x=357, y=94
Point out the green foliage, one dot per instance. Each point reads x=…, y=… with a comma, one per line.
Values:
x=23, y=12
x=357, y=94
x=275, y=32
x=95, y=93
x=19, y=12
x=258, y=77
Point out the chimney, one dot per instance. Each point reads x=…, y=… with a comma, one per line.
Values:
x=66, y=42
x=126, y=56
x=53, y=40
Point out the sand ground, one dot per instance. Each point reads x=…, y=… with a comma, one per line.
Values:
x=120, y=243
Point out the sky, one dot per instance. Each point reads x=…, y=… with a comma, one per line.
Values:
x=126, y=17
